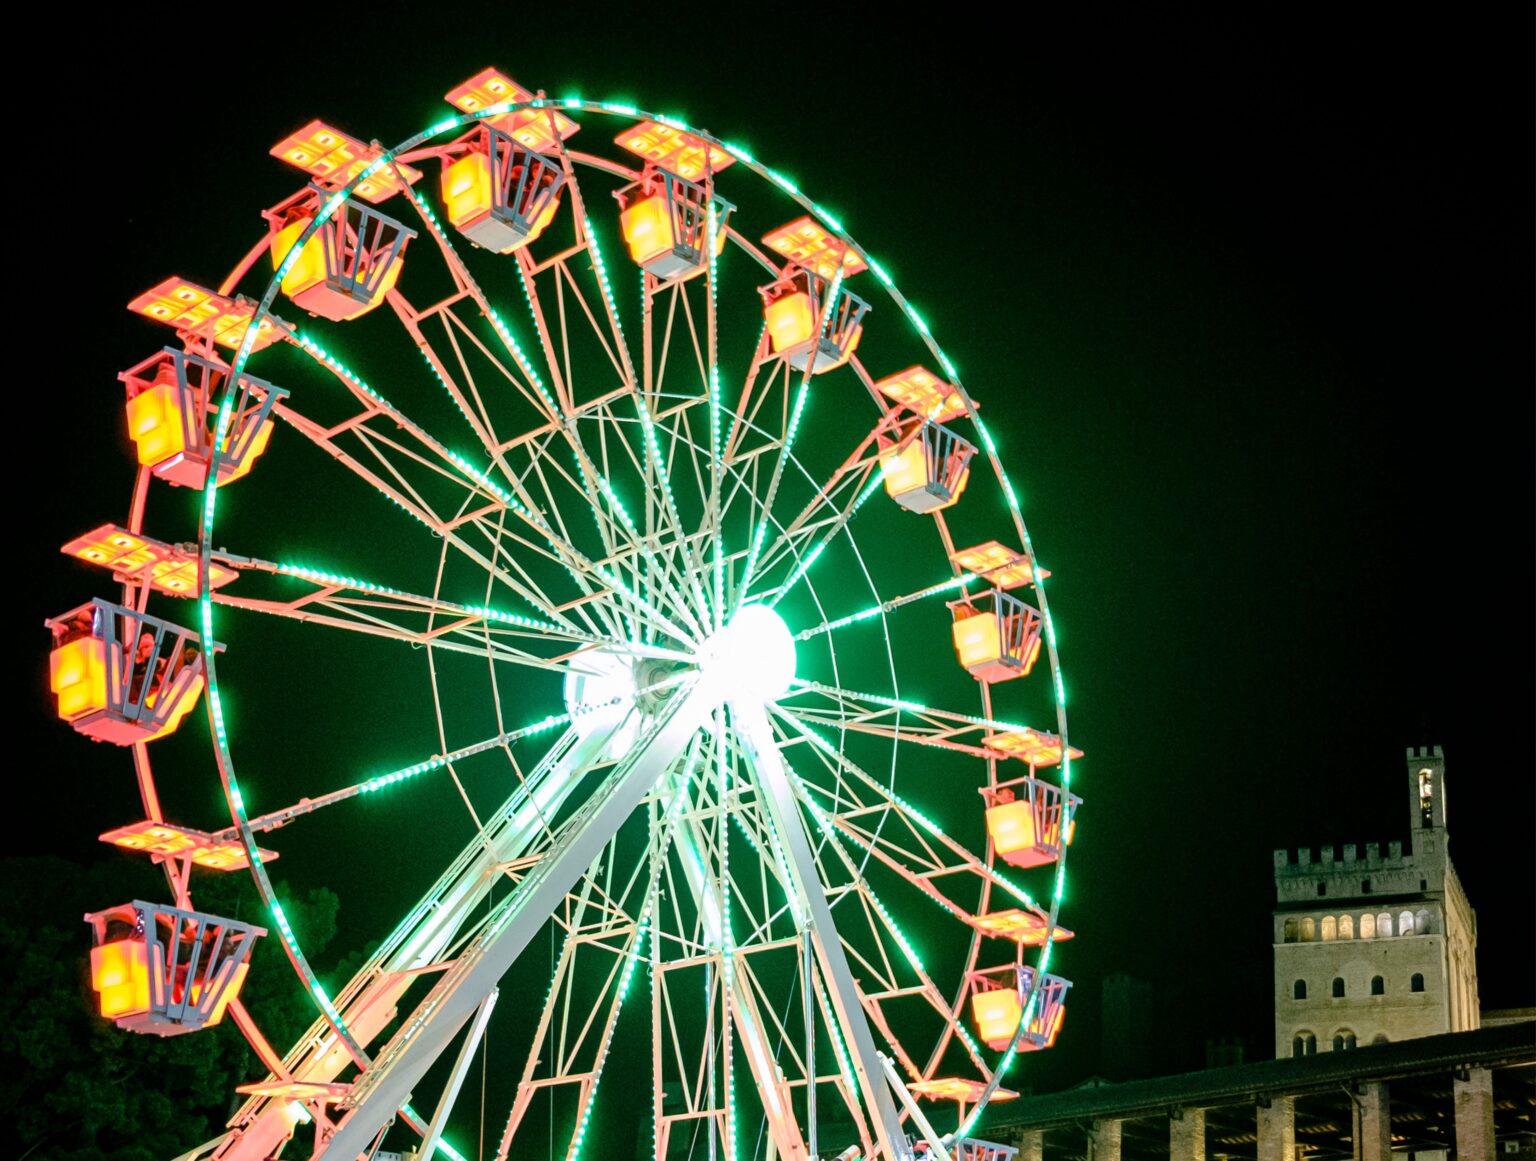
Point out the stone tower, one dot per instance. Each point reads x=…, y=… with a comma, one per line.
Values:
x=1374, y=949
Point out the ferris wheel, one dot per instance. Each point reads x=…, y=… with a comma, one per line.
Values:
x=728, y=645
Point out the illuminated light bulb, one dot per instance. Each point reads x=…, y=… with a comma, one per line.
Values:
x=754, y=655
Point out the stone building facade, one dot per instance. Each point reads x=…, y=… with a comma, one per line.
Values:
x=1371, y=948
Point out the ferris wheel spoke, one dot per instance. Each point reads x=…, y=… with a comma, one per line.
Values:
x=457, y=475
x=572, y=1038
x=908, y=721
x=566, y=1052
x=363, y=606
x=791, y=429
x=625, y=543
x=927, y=857
x=889, y=938
x=803, y=542
x=780, y=801
x=888, y=606
x=411, y=1051
x=529, y=385
x=454, y=902
x=825, y=509
x=593, y=602
x=499, y=741
x=739, y=1009
x=599, y=493
x=442, y=466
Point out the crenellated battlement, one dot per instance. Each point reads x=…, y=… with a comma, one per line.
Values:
x=1311, y=861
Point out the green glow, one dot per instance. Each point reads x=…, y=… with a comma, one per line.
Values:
x=797, y=411
x=631, y=958
x=887, y=606
x=624, y=517
x=844, y=1063
x=659, y=466
x=487, y=483
x=824, y=822
x=602, y=278
x=324, y=577
x=243, y=354
x=815, y=554
x=712, y=232
x=314, y=348
x=907, y=808
x=991, y=724
x=452, y=394
x=443, y=1146
x=741, y=152
x=523, y=361
x=782, y=182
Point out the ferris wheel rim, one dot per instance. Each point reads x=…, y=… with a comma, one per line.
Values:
x=224, y=757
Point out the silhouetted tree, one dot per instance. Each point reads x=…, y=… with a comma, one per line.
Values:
x=74, y=1087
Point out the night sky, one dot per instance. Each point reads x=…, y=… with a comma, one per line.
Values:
x=1247, y=299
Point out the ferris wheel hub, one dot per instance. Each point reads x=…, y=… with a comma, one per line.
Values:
x=753, y=656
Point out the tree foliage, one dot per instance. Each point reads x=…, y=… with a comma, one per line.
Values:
x=77, y=1088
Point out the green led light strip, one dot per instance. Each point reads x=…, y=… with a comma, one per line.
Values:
x=814, y=555
x=242, y=356
x=797, y=411
x=887, y=606
x=324, y=577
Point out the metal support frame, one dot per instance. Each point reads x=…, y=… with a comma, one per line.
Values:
x=752, y=728
x=456, y=1077
x=746, y=1020
x=388, y=1081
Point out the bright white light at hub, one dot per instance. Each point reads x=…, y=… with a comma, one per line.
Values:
x=755, y=654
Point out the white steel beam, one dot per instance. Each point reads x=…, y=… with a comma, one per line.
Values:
x=387, y=1083
x=367, y=1003
x=456, y=1077
x=756, y=735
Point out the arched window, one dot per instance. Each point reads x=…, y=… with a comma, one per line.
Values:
x=1304, y=1044
x=1380, y=1038
x=1299, y=989
x=1338, y=986
x=1290, y=931
x=1343, y=1040
x=1346, y=927
x=1405, y=923
x=1378, y=986
x=1384, y=925
x=1330, y=928
x=1416, y=984
x=1308, y=929
x=1421, y=923
x=1367, y=926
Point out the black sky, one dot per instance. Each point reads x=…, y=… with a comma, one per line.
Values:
x=1248, y=296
